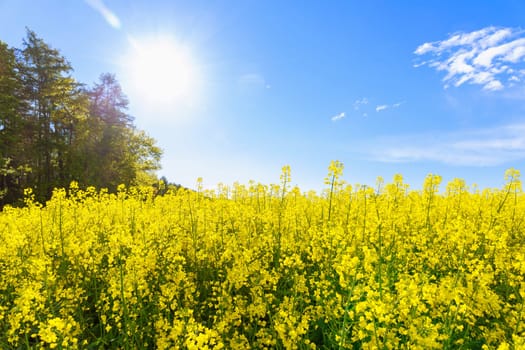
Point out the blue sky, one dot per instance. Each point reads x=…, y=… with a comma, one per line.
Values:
x=245, y=87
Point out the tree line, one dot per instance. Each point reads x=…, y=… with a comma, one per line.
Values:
x=54, y=129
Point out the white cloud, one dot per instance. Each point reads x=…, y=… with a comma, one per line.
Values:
x=383, y=107
x=397, y=104
x=109, y=16
x=361, y=105
x=423, y=49
x=482, y=147
x=358, y=103
x=338, y=116
x=483, y=57
x=493, y=85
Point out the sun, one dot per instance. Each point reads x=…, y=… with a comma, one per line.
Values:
x=163, y=71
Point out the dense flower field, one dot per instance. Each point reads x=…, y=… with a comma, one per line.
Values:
x=267, y=266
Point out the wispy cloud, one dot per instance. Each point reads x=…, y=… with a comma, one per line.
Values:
x=482, y=147
x=360, y=106
x=488, y=57
x=338, y=116
x=109, y=16
x=397, y=104
x=360, y=102
x=380, y=108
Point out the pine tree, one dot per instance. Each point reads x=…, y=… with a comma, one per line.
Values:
x=13, y=166
x=123, y=154
x=53, y=98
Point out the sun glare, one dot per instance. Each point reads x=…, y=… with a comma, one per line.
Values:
x=163, y=71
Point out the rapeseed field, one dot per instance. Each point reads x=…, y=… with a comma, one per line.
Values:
x=267, y=266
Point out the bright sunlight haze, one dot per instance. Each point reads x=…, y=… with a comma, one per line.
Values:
x=162, y=71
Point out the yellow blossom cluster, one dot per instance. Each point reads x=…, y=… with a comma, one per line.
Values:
x=267, y=267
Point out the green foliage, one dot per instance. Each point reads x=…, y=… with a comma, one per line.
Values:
x=54, y=130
